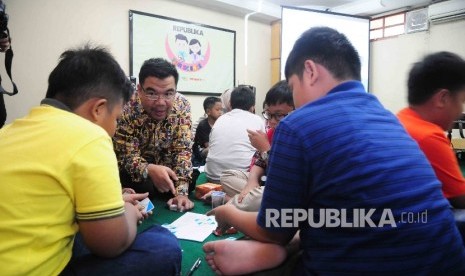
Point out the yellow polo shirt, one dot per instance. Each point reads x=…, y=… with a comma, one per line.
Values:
x=55, y=167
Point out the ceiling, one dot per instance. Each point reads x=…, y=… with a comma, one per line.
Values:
x=267, y=11
x=318, y=4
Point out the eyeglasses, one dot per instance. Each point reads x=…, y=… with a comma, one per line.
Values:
x=278, y=117
x=151, y=95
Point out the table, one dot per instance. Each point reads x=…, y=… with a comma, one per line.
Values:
x=191, y=249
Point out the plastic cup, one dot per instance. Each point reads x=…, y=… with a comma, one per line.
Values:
x=217, y=198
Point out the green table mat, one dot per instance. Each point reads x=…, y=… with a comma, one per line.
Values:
x=191, y=249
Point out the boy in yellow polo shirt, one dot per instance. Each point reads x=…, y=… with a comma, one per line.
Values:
x=59, y=175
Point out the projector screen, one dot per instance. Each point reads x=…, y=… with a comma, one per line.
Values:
x=357, y=29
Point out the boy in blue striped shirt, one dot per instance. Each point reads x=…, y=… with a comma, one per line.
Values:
x=347, y=176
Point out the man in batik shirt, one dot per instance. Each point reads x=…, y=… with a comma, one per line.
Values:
x=153, y=138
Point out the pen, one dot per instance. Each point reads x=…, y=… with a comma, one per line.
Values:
x=194, y=267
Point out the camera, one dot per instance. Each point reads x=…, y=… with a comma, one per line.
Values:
x=3, y=20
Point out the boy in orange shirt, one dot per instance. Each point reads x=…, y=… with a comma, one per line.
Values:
x=436, y=94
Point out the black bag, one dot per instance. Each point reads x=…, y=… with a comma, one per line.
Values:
x=2, y=111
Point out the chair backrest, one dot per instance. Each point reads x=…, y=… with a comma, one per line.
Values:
x=458, y=124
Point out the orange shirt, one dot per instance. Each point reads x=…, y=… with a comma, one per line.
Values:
x=435, y=145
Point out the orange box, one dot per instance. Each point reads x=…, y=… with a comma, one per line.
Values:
x=202, y=189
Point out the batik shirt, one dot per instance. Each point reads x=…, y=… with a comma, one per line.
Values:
x=140, y=140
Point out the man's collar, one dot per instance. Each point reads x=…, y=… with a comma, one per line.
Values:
x=56, y=103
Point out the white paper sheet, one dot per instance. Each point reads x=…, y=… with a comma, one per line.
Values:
x=192, y=226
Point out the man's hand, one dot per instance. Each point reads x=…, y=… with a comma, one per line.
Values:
x=130, y=196
x=4, y=44
x=204, y=152
x=129, y=207
x=245, y=192
x=259, y=140
x=162, y=178
x=253, y=182
x=219, y=212
x=183, y=203
x=134, y=198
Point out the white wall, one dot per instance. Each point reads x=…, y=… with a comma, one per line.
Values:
x=392, y=58
x=42, y=29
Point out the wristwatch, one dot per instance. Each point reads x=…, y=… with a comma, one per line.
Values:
x=264, y=155
x=145, y=172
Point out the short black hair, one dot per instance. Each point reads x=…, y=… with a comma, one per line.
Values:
x=159, y=68
x=242, y=97
x=327, y=47
x=192, y=42
x=180, y=37
x=209, y=102
x=442, y=70
x=86, y=73
x=278, y=94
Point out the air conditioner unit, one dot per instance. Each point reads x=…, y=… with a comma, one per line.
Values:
x=446, y=11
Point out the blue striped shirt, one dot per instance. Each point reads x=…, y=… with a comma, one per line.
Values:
x=346, y=152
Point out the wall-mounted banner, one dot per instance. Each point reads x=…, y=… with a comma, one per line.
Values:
x=204, y=55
